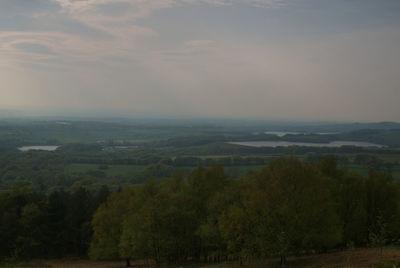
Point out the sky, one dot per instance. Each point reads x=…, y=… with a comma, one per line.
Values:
x=264, y=59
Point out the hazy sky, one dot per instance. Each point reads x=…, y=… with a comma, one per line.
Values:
x=271, y=59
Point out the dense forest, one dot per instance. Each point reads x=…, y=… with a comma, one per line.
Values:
x=35, y=225
x=289, y=207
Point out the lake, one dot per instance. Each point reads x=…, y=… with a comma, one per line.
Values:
x=283, y=133
x=39, y=147
x=307, y=144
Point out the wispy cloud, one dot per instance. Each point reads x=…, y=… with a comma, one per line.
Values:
x=89, y=28
x=33, y=47
x=257, y=3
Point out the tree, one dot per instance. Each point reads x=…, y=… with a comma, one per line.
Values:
x=56, y=232
x=381, y=201
x=30, y=238
x=350, y=197
x=289, y=208
x=107, y=225
x=378, y=236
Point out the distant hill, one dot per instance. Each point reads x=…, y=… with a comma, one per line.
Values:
x=389, y=137
x=340, y=127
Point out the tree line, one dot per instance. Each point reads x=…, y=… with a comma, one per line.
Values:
x=35, y=225
x=288, y=207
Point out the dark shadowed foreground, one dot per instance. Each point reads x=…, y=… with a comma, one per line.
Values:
x=349, y=258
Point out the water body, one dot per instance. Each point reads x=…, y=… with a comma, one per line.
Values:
x=109, y=148
x=283, y=133
x=38, y=147
x=63, y=123
x=307, y=144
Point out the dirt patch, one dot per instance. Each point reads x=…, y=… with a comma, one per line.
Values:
x=65, y=263
x=357, y=258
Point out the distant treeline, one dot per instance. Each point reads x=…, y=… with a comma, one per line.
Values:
x=288, y=207
x=178, y=134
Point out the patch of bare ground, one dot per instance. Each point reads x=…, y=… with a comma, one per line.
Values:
x=357, y=258
x=72, y=263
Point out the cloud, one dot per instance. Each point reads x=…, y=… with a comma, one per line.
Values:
x=27, y=7
x=98, y=23
x=23, y=15
x=199, y=43
x=71, y=31
x=265, y=3
x=256, y=3
x=104, y=10
x=35, y=48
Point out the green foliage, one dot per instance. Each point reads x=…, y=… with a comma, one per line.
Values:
x=350, y=196
x=34, y=225
x=107, y=225
x=288, y=207
x=377, y=237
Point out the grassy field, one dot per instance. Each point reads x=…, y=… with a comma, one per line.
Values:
x=112, y=170
x=357, y=168
x=363, y=170
x=131, y=170
x=350, y=258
